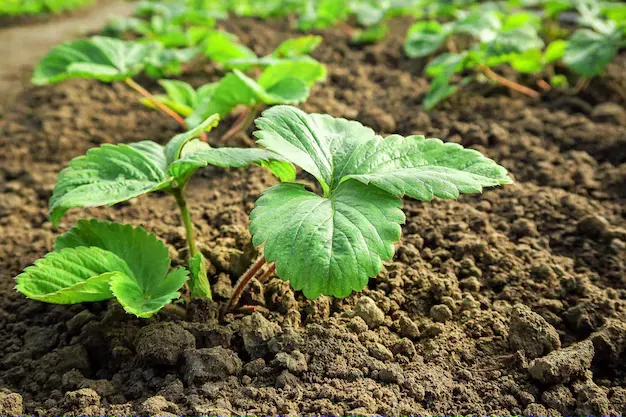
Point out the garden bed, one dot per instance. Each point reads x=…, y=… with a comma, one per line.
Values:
x=440, y=330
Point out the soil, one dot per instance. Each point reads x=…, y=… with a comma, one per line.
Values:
x=509, y=302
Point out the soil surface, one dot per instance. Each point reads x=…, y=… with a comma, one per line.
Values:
x=509, y=302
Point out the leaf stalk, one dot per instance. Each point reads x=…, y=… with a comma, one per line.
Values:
x=177, y=192
x=243, y=283
x=508, y=83
x=138, y=88
x=242, y=123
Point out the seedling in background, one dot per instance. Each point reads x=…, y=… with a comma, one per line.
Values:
x=104, y=59
x=99, y=260
x=286, y=82
x=511, y=39
x=111, y=174
x=331, y=244
x=225, y=49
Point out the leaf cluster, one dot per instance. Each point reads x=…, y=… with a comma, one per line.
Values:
x=36, y=7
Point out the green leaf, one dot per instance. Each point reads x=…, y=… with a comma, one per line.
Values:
x=514, y=41
x=334, y=149
x=204, y=155
x=71, y=276
x=175, y=145
x=447, y=63
x=199, y=284
x=588, y=53
x=554, y=51
x=297, y=47
x=108, y=175
x=143, y=288
x=223, y=47
x=305, y=69
x=370, y=35
x=483, y=25
x=440, y=89
x=529, y=62
x=146, y=256
x=424, y=38
x=328, y=246
x=283, y=170
x=143, y=304
x=168, y=62
x=105, y=59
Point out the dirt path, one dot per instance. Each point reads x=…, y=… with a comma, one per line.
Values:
x=22, y=46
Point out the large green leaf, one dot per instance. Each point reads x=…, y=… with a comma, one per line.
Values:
x=105, y=59
x=72, y=275
x=333, y=149
x=329, y=246
x=305, y=69
x=424, y=38
x=108, y=175
x=588, y=53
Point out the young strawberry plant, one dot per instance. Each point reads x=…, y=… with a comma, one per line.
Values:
x=99, y=260
x=104, y=59
x=332, y=243
x=114, y=173
x=226, y=50
x=286, y=82
x=501, y=39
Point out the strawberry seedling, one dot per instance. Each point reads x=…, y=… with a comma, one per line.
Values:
x=114, y=173
x=332, y=243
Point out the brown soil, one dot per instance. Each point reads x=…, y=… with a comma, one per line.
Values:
x=507, y=303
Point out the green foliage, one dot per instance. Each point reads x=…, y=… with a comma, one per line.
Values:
x=105, y=59
x=181, y=97
x=286, y=82
x=332, y=244
x=98, y=260
x=111, y=174
x=588, y=53
x=33, y=7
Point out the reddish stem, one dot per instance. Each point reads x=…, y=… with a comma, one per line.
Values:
x=509, y=84
x=138, y=88
x=268, y=273
x=243, y=283
x=243, y=121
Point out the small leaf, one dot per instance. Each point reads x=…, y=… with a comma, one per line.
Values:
x=588, y=53
x=180, y=92
x=554, y=51
x=424, y=38
x=440, y=89
x=307, y=70
x=105, y=59
x=71, y=276
x=370, y=35
x=298, y=46
x=107, y=175
x=175, y=145
x=514, y=41
x=146, y=256
x=145, y=304
x=482, y=24
x=199, y=284
x=204, y=155
x=223, y=47
x=328, y=246
x=529, y=62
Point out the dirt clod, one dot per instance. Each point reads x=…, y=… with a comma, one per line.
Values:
x=295, y=361
x=210, y=364
x=256, y=332
x=367, y=309
x=163, y=343
x=11, y=404
x=562, y=365
x=531, y=333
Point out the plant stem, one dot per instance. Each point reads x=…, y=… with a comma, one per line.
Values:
x=177, y=192
x=138, y=88
x=268, y=273
x=243, y=283
x=508, y=83
x=241, y=124
x=174, y=309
